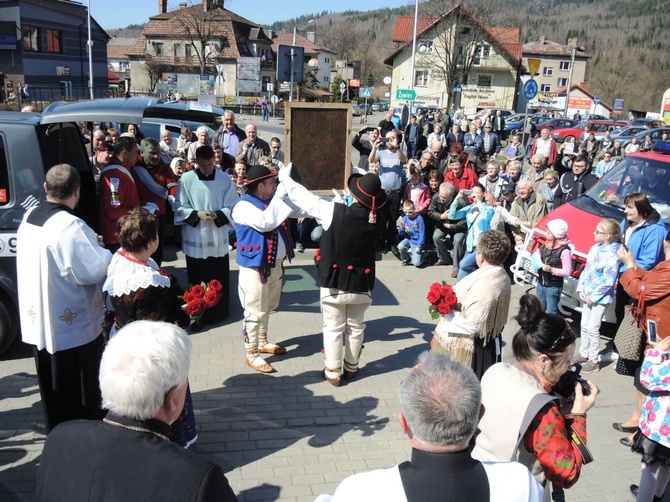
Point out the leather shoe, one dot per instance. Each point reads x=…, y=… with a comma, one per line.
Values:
x=349, y=375
x=439, y=263
x=623, y=428
x=454, y=274
x=626, y=442
x=272, y=348
x=333, y=381
x=634, y=489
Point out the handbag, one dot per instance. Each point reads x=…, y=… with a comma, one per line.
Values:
x=630, y=337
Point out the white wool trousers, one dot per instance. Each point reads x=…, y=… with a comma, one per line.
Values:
x=258, y=300
x=343, y=329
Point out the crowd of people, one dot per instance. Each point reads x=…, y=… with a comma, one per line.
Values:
x=463, y=195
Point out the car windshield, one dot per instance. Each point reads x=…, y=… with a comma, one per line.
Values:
x=636, y=174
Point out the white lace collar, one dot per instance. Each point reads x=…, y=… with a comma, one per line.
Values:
x=125, y=275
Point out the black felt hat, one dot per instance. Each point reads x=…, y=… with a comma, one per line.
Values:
x=367, y=190
x=257, y=173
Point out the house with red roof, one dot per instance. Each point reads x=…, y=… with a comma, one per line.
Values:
x=460, y=61
x=171, y=43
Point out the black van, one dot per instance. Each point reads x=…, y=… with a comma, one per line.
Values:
x=31, y=143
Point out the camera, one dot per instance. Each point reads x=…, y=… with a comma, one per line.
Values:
x=566, y=385
x=384, y=140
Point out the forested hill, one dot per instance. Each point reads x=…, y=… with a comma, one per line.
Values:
x=626, y=39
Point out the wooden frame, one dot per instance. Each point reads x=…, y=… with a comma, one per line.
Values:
x=318, y=141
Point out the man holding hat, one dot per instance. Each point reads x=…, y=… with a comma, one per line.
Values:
x=346, y=265
x=263, y=242
x=204, y=199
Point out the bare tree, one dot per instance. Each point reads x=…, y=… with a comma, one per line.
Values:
x=154, y=70
x=343, y=39
x=199, y=27
x=459, y=40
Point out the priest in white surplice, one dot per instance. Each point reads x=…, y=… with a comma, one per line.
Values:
x=204, y=199
x=61, y=267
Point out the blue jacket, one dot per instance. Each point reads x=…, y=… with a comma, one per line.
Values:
x=646, y=242
x=414, y=230
x=477, y=222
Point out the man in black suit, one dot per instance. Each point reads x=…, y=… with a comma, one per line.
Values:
x=498, y=124
x=129, y=455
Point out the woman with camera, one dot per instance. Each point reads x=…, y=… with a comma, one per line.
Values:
x=534, y=431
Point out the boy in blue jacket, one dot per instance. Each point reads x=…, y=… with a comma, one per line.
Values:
x=413, y=234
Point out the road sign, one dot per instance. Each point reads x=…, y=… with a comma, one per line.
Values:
x=343, y=87
x=596, y=100
x=618, y=104
x=530, y=89
x=458, y=89
x=365, y=92
x=533, y=65
x=405, y=94
x=274, y=99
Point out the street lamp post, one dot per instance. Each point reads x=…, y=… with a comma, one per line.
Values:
x=567, y=92
x=90, y=53
x=412, y=75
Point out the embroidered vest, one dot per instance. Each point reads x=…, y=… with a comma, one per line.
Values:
x=256, y=249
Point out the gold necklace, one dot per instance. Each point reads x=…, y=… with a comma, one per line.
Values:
x=136, y=429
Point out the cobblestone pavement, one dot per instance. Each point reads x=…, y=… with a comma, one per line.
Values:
x=290, y=436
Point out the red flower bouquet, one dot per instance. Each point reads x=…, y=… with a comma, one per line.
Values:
x=442, y=299
x=201, y=297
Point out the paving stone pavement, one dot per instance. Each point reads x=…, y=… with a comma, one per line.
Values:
x=290, y=436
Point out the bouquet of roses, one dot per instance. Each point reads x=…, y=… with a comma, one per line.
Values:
x=442, y=299
x=201, y=297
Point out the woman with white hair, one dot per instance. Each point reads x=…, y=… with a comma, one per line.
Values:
x=202, y=133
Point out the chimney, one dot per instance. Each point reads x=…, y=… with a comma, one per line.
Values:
x=162, y=6
x=311, y=36
x=206, y=5
x=271, y=34
x=182, y=5
x=572, y=42
x=543, y=39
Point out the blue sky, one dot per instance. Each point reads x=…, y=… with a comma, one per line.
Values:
x=117, y=13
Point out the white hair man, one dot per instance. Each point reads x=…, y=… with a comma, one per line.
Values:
x=530, y=207
x=129, y=455
x=440, y=406
x=60, y=268
x=229, y=135
x=546, y=146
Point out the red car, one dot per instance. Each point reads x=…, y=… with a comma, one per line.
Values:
x=591, y=126
x=603, y=200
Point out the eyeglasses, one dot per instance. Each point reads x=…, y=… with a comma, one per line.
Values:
x=566, y=333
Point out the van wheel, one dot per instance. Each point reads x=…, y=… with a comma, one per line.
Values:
x=9, y=327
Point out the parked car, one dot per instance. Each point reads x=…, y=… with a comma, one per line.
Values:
x=30, y=144
x=583, y=129
x=648, y=123
x=558, y=124
x=603, y=200
x=362, y=109
x=377, y=107
x=655, y=134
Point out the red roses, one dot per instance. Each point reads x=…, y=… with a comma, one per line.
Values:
x=442, y=299
x=201, y=297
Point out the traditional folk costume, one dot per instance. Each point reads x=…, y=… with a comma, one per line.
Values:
x=205, y=243
x=533, y=432
x=157, y=185
x=471, y=335
x=263, y=242
x=118, y=196
x=433, y=477
x=143, y=291
x=346, y=266
x=60, y=270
